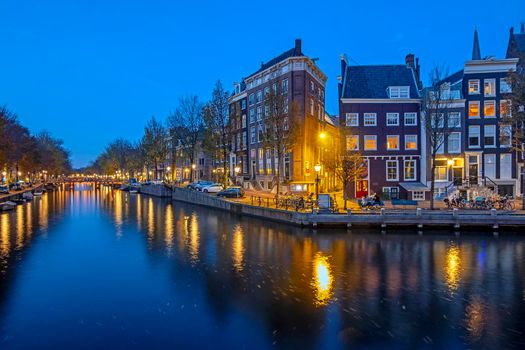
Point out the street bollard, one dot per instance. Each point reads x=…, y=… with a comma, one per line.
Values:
x=455, y=212
x=382, y=211
x=493, y=212
x=418, y=211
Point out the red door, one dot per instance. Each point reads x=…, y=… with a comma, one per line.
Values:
x=361, y=189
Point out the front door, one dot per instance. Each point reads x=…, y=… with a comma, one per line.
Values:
x=361, y=188
x=457, y=176
x=473, y=174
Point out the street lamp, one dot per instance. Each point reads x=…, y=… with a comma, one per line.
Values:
x=317, y=168
x=322, y=135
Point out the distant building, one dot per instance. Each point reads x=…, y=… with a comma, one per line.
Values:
x=379, y=107
x=297, y=76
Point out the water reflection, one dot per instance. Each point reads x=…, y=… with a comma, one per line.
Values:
x=247, y=283
x=322, y=280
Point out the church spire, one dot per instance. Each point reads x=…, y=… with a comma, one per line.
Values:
x=476, y=55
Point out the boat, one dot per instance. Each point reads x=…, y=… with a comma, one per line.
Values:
x=19, y=201
x=133, y=190
x=5, y=206
x=27, y=196
x=38, y=193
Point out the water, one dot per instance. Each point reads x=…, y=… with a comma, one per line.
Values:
x=90, y=269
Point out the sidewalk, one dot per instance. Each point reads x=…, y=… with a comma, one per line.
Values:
x=14, y=193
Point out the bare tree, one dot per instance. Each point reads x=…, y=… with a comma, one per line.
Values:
x=437, y=101
x=154, y=144
x=218, y=129
x=280, y=128
x=185, y=128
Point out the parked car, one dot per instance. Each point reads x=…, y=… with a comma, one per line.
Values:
x=201, y=184
x=212, y=188
x=231, y=192
x=196, y=184
x=4, y=189
x=14, y=186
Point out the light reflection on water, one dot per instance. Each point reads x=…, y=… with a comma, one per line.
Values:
x=209, y=276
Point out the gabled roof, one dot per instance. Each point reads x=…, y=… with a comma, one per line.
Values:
x=372, y=81
x=453, y=78
x=293, y=52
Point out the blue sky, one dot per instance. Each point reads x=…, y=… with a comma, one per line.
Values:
x=91, y=71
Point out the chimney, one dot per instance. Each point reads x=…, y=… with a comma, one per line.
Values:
x=409, y=60
x=298, y=48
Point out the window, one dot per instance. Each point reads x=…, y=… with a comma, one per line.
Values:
x=391, y=192
x=489, y=109
x=437, y=120
x=399, y=91
x=504, y=86
x=489, y=166
x=454, y=120
x=441, y=171
x=411, y=142
x=312, y=106
x=473, y=109
x=352, y=119
x=251, y=99
x=473, y=87
x=489, y=87
x=243, y=123
x=352, y=142
x=410, y=119
x=504, y=109
x=266, y=90
x=410, y=170
x=243, y=104
x=454, y=142
x=285, y=85
x=260, y=133
x=259, y=96
x=505, y=135
x=252, y=116
x=370, y=142
x=473, y=136
x=489, y=138
x=440, y=143
x=418, y=195
x=259, y=113
x=392, y=119
x=244, y=141
x=266, y=111
x=391, y=170
x=392, y=142
x=505, y=166
x=312, y=87
x=252, y=135
x=369, y=119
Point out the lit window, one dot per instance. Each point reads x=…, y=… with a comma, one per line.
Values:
x=411, y=142
x=410, y=119
x=410, y=170
x=490, y=87
x=454, y=120
x=505, y=135
x=392, y=142
x=490, y=135
x=369, y=119
x=504, y=109
x=489, y=109
x=473, y=136
x=504, y=86
x=441, y=170
x=392, y=119
x=473, y=109
x=352, y=119
x=352, y=142
x=454, y=142
x=473, y=87
x=370, y=142
x=391, y=170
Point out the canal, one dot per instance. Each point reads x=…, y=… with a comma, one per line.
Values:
x=100, y=269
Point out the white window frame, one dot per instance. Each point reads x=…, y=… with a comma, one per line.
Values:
x=405, y=167
x=396, y=115
x=458, y=149
x=505, y=169
x=370, y=137
x=406, y=142
x=509, y=108
x=505, y=82
x=418, y=197
x=471, y=83
x=489, y=129
x=489, y=82
x=356, y=137
x=368, y=117
x=410, y=114
x=398, y=92
x=352, y=117
x=502, y=129
x=489, y=102
x=392, y=149
x=455, y=114
x=387, y=167
x=486, y=157
x=470, y=128
x=479, y=109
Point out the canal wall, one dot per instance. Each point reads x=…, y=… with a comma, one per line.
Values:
x=10, y=196
x=411, y=218
x=156, y=190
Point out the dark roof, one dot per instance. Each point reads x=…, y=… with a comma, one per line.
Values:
x=476, y=54
x=520, y=42
x=373, y=81
x=293, y=52
x=453, y=78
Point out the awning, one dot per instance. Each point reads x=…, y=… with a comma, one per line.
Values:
x=414, y=186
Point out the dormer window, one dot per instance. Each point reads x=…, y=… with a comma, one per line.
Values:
x=399, y=91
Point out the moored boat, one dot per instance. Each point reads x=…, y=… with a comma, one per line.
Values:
x=5, y=206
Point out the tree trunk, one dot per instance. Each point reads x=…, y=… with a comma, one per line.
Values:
x=278, y=173
x=345, y=184
x=432, y=181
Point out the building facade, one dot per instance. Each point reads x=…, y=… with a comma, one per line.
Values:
x=379, y=107
x=299, y=78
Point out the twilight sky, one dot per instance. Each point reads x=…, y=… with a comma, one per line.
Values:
x=90, y=71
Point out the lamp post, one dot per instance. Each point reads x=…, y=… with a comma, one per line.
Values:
x=3, y=176
x=237, y=170
x=317, y=168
